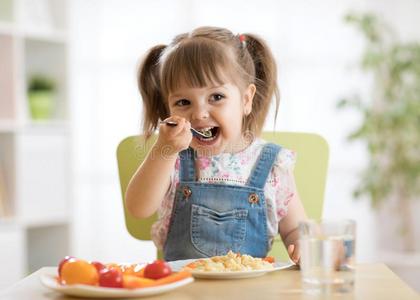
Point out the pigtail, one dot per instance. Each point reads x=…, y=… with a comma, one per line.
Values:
x=148, y=81
x=265, y=80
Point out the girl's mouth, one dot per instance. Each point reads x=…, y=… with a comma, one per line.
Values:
x=211, y=134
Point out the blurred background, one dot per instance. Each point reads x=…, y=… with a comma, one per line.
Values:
x=68, y=95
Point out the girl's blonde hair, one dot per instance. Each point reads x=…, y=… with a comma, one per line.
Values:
x=208, y=55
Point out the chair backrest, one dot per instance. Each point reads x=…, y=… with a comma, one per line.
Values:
x=310, y=174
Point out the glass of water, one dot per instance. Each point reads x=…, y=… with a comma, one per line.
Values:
x=327, y=255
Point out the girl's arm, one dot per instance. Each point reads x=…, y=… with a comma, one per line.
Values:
x=288, y=226
x=151, y=181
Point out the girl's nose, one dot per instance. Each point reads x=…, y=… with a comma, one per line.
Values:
x=200, y=113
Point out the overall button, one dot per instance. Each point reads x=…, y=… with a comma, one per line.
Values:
x=187, y=192
x=253, y=198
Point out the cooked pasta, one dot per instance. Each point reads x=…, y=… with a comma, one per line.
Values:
x=231, y=262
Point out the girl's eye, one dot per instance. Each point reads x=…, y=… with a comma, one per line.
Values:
x=217, y=97
x=182, y=102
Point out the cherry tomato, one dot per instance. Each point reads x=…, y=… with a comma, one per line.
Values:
x=63, y=261
x=111, y=278
x=98, y=265
x=157, y=269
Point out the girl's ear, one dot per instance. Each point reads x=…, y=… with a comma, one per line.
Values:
x=248, y=98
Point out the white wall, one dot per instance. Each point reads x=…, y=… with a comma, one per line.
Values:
x=317, y=55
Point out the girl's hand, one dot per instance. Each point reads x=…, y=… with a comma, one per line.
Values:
x=294, y=252
x=173, y=139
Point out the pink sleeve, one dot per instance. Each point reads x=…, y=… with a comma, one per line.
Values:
x=282, y=173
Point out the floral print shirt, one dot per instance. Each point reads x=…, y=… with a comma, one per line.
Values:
x=235, y=168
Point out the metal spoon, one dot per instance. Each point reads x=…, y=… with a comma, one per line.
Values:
x=193, y=130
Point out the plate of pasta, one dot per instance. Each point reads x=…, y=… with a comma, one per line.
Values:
x=229, y=266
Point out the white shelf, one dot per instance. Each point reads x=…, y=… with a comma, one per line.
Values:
x=12, y=245
x=49, y=221
x=52, y=126
x=52, y=36
x=7, y=28
x=45, y=35
x=7, y=126
x=35, y=160
x=44, y=221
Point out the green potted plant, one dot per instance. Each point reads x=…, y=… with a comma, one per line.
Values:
x=390, y=128
x=41, y=96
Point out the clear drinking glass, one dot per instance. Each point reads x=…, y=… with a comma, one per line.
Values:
x=327, y=255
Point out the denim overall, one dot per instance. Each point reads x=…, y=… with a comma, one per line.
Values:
x=211, y=219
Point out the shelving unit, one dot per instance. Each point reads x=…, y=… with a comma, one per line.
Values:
x=35, y=170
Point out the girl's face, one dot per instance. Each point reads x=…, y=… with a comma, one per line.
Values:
x=219, y=109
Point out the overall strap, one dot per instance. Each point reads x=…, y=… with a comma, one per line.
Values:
x=263, y=165
x=187, y=166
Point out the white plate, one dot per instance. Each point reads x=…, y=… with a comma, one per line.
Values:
x=179, y=264
x=82, y=290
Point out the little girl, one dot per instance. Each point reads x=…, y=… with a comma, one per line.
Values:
x=229, y=190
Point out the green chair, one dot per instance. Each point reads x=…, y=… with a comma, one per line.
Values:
x=310, y=174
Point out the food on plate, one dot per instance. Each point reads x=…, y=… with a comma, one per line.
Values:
x=231, y=262
x=72, y=270
x=79, y=271
x=133, y=282
x=174, y=277
x=134, y=269
x=98, y=265
x=269, y=259
x=158, y=269
x=62, y=262
x=111, y=278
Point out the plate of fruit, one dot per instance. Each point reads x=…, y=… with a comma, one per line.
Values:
x=82, y=278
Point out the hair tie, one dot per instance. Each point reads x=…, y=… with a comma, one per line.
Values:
x=242, y=39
